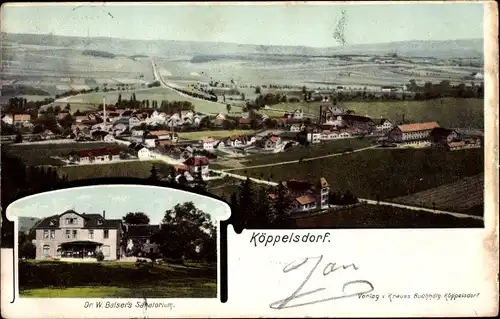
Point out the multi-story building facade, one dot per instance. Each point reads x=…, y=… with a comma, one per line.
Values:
x=75, y=235
x=412, y=135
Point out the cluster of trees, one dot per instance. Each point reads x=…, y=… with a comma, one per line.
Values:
x=75, y=92
x=101, y=54
x=253, y=208
x=186, y=233
x=445, y=89
x=154, y=84
x=17, y=178
x=22, y=105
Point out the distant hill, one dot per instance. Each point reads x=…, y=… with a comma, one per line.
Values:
x=440, y=49
x=26, y=223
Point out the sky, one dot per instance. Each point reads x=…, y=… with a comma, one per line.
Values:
x=272, y=24
x=116, y=200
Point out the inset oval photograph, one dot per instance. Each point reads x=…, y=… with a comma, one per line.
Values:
x=120, y=241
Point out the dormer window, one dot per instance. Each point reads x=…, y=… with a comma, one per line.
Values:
x=100, y=222
x=52, y=222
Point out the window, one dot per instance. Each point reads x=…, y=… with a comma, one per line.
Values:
x=70, y=221
x=46, y=250
x=58, y=251
x=74, y=233
x=45, y=234
x=68, y=234
x=52, y=223
x=91, y=234
x=52, y=233
x=106, y=233
x=99, y=222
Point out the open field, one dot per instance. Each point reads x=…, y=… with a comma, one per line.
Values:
x=91, y=100
x=448, y=112
x=459, y=196
x=138, y=169
x=116, y=279
x=313, y=150
x=215, y=134
x=41, y=154
x=377, y=216
x=383, y=173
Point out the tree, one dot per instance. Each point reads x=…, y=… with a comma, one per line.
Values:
x=183, y=231
x=119, y=102
x=137, y=218
x=257, y=90
x=282, y=207
x=19, y=138
x=242, y=96
x=27, y=250
x=153, y=173
x=67, y=108
x=228, y=108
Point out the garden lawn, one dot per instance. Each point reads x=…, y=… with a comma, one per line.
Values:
x=119, y=280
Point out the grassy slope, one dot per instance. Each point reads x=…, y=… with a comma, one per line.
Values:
x=215, y=134
x=388, y=173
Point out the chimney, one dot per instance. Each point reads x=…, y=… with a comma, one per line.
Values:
x=104, y=214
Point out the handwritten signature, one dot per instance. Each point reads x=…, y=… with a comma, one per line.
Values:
x=327, y=270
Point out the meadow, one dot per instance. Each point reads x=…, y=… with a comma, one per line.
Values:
x=116, y=279
x=91, y=100
x=464, y=195
x=41, y=154
x=381, y=173
x=136, y=169
x=448, y=112
x=215, y=134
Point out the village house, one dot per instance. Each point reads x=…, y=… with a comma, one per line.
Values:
x=139, y=150
x=174, y=120
x=209, y=143
x=363, y=123
x=412, y=135
x=96, y=155
x=197, y=164
x=383, y=126
x=162, y=134
x=307, y=196
x=239, y=140
x=78, y=236
x=244, y=122
x=8, y=119
x=270, y=141
x=133, y=121
x=298, y=114
x=314, y=135
x=329, y=135
x=150, y=140
x=62, y=115
x=220, y=116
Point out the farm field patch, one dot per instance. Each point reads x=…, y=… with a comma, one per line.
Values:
x=382, y=173
x=377, y=216
x=460, y=196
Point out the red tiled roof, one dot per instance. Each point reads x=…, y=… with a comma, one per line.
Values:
x=159, y=132
x=274, y=138
x=456, y=144
x=197, y=161
x=415, y=127
x=99, y=152
x=296, y=185
x=306, y=199
x=244, y=120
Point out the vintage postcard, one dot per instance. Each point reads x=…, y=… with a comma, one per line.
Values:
x=256, y=159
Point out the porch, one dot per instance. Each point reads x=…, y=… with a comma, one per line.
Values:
x=82, y=249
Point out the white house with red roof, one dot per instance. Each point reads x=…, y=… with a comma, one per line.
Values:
x=196, y=164
x=209, y=143
x=412, y=135
x=96, y=155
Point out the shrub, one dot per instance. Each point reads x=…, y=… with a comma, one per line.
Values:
x=99, y=256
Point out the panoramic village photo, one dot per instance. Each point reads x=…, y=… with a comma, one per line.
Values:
x=319, y=123
x=117, y=241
